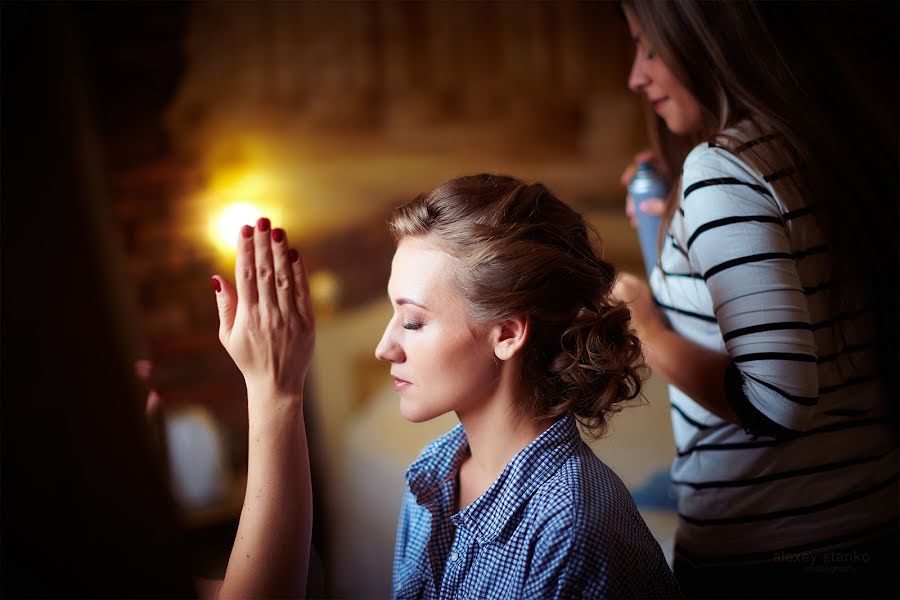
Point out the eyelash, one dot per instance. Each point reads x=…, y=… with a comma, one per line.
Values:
x=649, y=55
x=412, y=326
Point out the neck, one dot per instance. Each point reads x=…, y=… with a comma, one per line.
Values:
x=497, y=430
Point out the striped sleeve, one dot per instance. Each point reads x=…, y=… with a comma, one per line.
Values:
x=737, y=241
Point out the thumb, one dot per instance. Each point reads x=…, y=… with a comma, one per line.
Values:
x=226, y=300
x=644, y=155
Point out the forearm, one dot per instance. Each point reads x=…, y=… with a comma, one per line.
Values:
x=697, y=371
x=270, y=556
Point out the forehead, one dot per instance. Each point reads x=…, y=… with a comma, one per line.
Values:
x=420, y=270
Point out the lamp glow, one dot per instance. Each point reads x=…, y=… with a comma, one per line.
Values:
x=227, y=226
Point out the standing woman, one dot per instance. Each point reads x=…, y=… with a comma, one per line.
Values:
x=777, y=275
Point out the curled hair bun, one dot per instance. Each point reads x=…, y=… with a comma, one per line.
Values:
x=600, y=366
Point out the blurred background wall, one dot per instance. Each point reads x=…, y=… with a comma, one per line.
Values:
x=323, y=116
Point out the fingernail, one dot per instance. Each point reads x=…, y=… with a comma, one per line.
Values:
x=263, y=224
x=278, y=235
x=247, y=231
x=216, y=284
x=293, y=255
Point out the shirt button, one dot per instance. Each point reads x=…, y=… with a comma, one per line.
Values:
x=454, y=556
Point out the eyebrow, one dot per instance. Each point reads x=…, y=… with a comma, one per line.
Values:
x=402, y=301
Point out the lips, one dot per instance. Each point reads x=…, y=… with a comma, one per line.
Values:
x=400, y=384
x=657, y=104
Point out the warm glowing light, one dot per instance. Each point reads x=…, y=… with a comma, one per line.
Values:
x=245, y=186
x=237, y=197
x=228, y=223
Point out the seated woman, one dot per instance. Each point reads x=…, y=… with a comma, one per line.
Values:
x=502, y=314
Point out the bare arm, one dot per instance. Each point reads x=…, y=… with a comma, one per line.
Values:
x=270, y=555
x=268, y=328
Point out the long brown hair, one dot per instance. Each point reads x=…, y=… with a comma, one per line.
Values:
x=523, y=252
x=761, y=66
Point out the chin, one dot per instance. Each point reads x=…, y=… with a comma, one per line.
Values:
x=415, y=412
x=683, y=124
x=676, y=127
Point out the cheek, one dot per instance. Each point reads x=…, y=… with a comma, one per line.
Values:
x=461, y=358
x=687, y=119
x=455, y=365
x=684, y=102
x=450, y=373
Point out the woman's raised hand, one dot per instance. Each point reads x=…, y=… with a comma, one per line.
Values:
x=634, y=291
x=653, y=206
x=268, y=328
x=267, y=324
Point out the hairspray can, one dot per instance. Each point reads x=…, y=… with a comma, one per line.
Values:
x=647, y=184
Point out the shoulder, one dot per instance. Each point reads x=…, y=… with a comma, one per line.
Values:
x=585, y=498
x=716, y=184
x=709, y=161
x=590, y=524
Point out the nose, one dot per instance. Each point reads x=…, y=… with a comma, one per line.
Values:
x=388, y=349
x=637, y=77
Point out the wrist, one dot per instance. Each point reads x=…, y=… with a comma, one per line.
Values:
x=650, y=326
x=265, y=389
x=266, y=404
x=655, y=329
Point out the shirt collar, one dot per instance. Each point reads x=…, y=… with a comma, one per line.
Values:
x=437, y=464
x=519, y=480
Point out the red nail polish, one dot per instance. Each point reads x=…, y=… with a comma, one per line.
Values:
x=278, y=235
x=293, y=255
x=216, y=284
x=247, y=231
x=263, y=224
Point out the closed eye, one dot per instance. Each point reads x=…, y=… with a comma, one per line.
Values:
x=412, y=326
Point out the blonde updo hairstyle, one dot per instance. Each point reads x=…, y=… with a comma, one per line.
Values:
x=523, y=252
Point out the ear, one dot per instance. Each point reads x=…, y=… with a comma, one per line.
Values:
x=509, y=336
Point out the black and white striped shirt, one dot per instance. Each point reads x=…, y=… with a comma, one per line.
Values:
x=744, y=271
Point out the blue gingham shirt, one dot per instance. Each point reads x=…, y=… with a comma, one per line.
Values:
x=557, y=523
